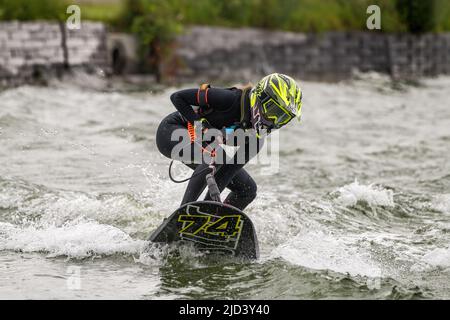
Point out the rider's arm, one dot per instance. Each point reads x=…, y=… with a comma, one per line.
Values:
x=183, y=100
x=218, y=99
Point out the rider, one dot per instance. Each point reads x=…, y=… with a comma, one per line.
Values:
x=271, y=104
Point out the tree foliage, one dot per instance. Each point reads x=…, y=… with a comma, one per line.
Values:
x=24, y=10
x=419, y=16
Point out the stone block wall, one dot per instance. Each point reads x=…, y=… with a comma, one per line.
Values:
x=214, y=53
x=88, y=46
x=28, y=48
x=245, y=54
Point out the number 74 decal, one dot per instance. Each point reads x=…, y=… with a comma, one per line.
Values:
x=197, y=225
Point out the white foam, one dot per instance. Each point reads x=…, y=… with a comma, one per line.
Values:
x=156, y=253
x=61, y=207
x=441, y=203
x=8, y=201
x=322, y=251
x=439, y=257
x=76, y=239
x=351, y=194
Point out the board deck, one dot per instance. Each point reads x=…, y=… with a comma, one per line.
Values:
x=213, y=227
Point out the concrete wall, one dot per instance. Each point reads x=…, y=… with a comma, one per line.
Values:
x=212, y=53
x=242, y=54
x=88, y=46
x=29, y=49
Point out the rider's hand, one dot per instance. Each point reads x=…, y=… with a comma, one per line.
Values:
x=204, y=124
x=193, y=129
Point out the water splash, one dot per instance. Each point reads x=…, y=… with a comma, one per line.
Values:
x=441, y=203
x=318, y=250
x=439, y=257
x=75, y=239
x=351, y=194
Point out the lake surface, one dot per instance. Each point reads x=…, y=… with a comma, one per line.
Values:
x=358, y=207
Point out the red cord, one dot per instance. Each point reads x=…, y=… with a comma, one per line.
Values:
x=192, y=137
x=191, y=131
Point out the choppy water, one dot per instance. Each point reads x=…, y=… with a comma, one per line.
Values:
x=360, y=207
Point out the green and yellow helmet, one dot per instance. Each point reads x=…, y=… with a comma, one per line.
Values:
x=278, y=99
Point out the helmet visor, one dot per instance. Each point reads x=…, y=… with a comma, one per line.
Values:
x=277, y=114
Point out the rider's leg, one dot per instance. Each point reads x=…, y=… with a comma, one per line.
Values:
x=243, y=190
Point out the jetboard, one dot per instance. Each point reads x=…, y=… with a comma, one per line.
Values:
x=213, y=227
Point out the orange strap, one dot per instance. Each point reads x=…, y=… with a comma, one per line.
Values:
x=192, y=137
x=202, y=97
x=191, y=131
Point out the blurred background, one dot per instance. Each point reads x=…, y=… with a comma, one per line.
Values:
x=233, y=40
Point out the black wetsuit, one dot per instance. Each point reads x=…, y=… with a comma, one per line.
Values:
x=226, y=111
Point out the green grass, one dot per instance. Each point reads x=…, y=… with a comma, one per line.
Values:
x=292, y=15
x=443, y=15
x=301, y=15
x=31, y=10
x=104, y=12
